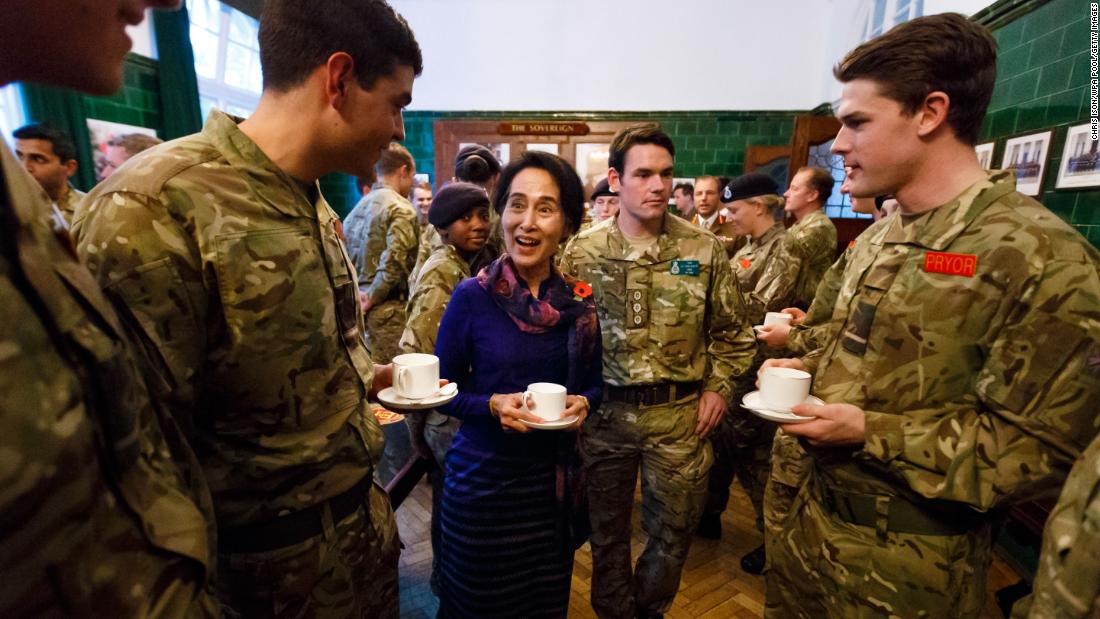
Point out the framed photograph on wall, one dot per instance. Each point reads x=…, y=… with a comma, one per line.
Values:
x=1080, y=159
x=1027, y=156
x=985, y=154
x=101, y=132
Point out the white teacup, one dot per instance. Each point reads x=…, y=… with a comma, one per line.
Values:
x=777, y=318
x=548, y=400
x=784, y=388
x=415, y=375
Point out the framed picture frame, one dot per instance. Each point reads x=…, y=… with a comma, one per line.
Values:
x=985, y=154
x=1080, y=165
x=1027, y=156
x=101, y=132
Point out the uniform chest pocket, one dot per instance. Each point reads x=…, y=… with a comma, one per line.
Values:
x=608, y=282
x=274, y=289
x=875, y=286
x=678, y=308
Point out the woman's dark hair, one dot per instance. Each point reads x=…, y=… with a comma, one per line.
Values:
x=565, y=177
x=476, y=164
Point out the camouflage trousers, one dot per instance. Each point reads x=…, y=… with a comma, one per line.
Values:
x=743, y=449
x=661, y=440
x=821, y=566
x=385, y=323
x=350, y=570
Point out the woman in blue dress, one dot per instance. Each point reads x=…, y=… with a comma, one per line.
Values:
x=511, y=516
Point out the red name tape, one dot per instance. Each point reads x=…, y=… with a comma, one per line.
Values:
x=950, y=264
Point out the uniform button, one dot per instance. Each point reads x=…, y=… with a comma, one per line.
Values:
x=637, y=320
x=637, y=295
x=637, y=307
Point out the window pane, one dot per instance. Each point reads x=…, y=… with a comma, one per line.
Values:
x=205, y=13
x=237, y=61
x=205, y=44
x=255, y=74
x=242, y=28
x=207, y=104
x=237, y=110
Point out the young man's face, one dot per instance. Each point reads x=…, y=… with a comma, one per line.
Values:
x=646, y=182
x=422, y=200
x=79, y=44
x=114, y=158
x=44, y=165
x=706, y=196
x=605, y=207
x=374, y=118
x=469, y=233
x=878, y=140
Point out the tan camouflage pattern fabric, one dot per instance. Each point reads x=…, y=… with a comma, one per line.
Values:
x=659, y=326
x=429, y=242
x=661, y=441
x=791, y=277
x=671, y=313
x=750, y=262
x=348, y=572
x=431, y=293
x=978, y=391
x=1067, y=581
x=68, y=203
x=98, y=519
x=382, y=237
x=238, y=285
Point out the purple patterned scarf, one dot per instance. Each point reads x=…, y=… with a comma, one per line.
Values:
x=566, y=301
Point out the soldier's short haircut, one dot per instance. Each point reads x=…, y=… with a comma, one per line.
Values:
x=62, y=144
x=687, y=188
x=565, y=177
x=634, y=136
x=393, y=158
x=296, y=37
x=820, y=180
x=134, y=143
x=945, y=52
x=709, y=177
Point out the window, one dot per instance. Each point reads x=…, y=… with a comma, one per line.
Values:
x=882, y=15
x=227, y=57
x=11, y=111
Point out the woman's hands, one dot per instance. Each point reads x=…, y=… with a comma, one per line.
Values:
x=509, y=409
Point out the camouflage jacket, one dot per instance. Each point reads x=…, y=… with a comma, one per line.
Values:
x=430, y=294
x=1067, y=581
x=68, y=204
x=753, y=258
x=791, y=278
x=98, y=520
x=970, y=335
x=673, y=313
x=429, y=242
x=241, y=291
x=381, y=235
x=813, y=333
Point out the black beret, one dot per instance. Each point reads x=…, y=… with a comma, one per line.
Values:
x=454, y=201
x=749, y=186
x=477, y=150
x=603, y=188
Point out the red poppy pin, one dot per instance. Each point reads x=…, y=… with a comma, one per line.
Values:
x=581, y=291
x=745, y=263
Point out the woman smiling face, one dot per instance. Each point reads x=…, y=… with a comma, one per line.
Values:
x=533, y=223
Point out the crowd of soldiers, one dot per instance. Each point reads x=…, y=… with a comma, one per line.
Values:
x=186, y=371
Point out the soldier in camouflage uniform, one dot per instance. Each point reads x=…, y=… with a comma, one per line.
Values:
x=230, y=266
x=1067, y=582
x=382, y=240
x=461, y=212
x=98, y=520
x=807, y=251
x=742, y=442
x=960, y=372
x=674, y=338
x=50, y=157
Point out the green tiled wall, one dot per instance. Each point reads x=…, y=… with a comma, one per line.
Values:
x=706, y=142
x=137, y=103
x=1042, y=83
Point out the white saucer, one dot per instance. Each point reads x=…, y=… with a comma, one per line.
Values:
x=753, y=402
x=757, y=328
x=557, y=424
x=392, y=399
